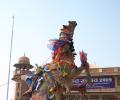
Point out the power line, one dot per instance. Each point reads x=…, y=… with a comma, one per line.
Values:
x=10, y=60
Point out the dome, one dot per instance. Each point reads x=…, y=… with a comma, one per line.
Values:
x=24, y=63
x=24, y=60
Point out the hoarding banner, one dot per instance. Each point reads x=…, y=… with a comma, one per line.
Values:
x=97, y=82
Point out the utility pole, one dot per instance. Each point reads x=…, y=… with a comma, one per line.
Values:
x=10, y=60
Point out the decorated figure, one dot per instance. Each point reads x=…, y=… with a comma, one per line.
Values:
x=54, y=79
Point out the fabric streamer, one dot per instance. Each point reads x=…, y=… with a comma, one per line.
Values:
x=54, y=44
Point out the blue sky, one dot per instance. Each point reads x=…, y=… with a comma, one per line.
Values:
x=37, y=21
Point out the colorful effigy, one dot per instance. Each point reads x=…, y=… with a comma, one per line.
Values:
x=53, y=80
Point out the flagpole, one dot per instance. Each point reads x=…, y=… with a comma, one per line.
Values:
x=8, y=82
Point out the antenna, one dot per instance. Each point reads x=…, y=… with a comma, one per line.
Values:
x=10, y=60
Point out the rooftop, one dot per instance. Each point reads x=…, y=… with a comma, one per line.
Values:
x=104, y=71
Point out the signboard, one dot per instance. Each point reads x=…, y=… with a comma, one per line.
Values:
x=97, y=82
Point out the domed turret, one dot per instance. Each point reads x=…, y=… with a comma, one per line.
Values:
x=22, y=68
x=23, y=63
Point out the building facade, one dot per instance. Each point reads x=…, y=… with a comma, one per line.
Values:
x=105, y=85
